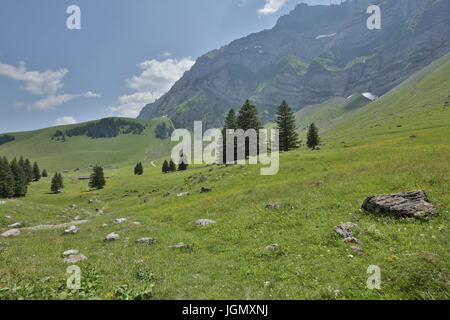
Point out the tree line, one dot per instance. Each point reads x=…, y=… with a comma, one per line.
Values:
x=16, y=175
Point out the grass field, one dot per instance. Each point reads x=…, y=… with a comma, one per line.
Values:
x=398, y=143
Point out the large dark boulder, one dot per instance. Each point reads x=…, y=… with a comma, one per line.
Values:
x=405, y=204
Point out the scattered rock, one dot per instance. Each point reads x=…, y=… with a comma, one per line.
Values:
x=405, y=204
x=90, y=201
x=205, y=190
x=146, y=240
x=71, y=230
x=73, y=206
x=165, y=195
x=136, y=223
x=15, y=225
x=75, y=258
x=357, y=249
x=112, y=236
x=120, y=220
x=8, y=217
x=344, y=229
x=77, y=218
x=11, y=233
x=272, y=247
x=204, y=222
x=352, y=240
x=98, y=210
x=183, y=194
x=70, y=252
x=275, y=205
x=182, y=245
x=2, y=202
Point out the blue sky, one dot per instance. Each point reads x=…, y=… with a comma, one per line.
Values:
x=127, y=53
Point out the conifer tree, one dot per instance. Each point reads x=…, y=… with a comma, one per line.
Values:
x=287, y=129
x=230, y=124
x=57, y=183
x=97, y=180
x=6, y=179
x=313, y=139
x=183, y=163
x=20, y=179
x=248, y=119
x=36, y=172
x=172, y=166
x=165, y=167
x=44, y=173
x=28, y=169
x=139, y=169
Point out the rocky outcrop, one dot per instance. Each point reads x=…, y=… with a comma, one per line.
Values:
x=405, y=204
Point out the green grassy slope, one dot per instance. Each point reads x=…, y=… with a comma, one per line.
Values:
x=332, y=111
x=82, y=151
x=228, y=260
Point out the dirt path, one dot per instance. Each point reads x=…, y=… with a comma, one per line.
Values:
x=53, y=226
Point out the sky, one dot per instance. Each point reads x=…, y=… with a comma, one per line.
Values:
x=125, y=54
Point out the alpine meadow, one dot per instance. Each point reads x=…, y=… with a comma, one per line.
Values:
x=113, y=208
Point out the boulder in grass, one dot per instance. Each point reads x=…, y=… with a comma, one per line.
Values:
x=272, y=247
x=274, y=205
x=205, y=190
x=11, y=233
x=146, y=240
x=183, y=194
x=182, y=245
x=112, y=237
x=204, y=222
x=120, y=220
x=75, y=258
x=344, y=229
x=71, y=230
x=15, y=225
x=405, y=204
x=70, y=252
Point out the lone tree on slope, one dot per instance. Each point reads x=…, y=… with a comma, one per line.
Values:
x=313, y=139
x=97, y=180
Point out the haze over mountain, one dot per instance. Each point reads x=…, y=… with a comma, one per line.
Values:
x=311, y=55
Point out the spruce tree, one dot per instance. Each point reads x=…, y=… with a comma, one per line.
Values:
x=60, y=181
x=97, y=180
x=141, y=169
x=172, y=166
x=230, y=123
x=183, y=163
x=248, y=119
x=44, y=173
x=56, y=184
x=20, y=179
x=36, y=172
x=287, y=129
x=313, y=139
x=28, y=169
x=6, y=179
x=165, y=166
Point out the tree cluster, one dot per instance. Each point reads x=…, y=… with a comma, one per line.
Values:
x=170, y=166
x=106, y=128
x=163, y=131
x=15, y=176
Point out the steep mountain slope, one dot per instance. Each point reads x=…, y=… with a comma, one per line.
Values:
x=82, y=151
x=311, y=55
x=228, y=260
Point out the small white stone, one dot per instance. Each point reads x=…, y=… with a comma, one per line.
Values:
x=70, y=252
x=71, y=230
x=350, y=256
x=120, y=220
x=112, y=236
x=15, y=225
x=11, y=233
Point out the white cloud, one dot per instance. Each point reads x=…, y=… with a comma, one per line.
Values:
x=272, y=6
x=52, y=101
x=156, y=78
x=35, y=82
x=64, y=120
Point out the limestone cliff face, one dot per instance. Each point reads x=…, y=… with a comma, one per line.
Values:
x=312, y=54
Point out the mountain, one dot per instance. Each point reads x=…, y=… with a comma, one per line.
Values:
x=111, y=141
x=311, y=55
